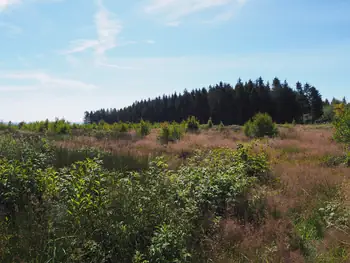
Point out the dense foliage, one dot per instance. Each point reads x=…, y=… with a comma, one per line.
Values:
x=260, y=125
x=342, y=123
x=223, y=102
x=192, y=124
x=85, y=213
x=171, y=132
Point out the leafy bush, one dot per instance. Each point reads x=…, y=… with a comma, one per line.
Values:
x=176, y=131
x=192, y=124
x=59, y=127
x=144, y=128
x=24, y=147
x=261, y=125
x=84, y=213
x=342, y=124
x=210, y=123
x=123, y=127
x=221, y=126
x=170, y=133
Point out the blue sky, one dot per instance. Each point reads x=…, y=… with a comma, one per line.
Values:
x=59, y=58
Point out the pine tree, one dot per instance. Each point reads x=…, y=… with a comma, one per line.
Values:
x=316, y=104
x=222, y=102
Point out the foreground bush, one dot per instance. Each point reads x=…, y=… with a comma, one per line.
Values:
x=84, y=213
x=261, y=125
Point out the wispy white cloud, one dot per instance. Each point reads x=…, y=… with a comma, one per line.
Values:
x=150, y=41
x=42, y=81
x=80, y=45
x=6, y=3
x=108, y=29
x=103, y=63
x=172, y=11
x=228, y=13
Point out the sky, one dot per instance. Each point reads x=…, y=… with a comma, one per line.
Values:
x=59, y=58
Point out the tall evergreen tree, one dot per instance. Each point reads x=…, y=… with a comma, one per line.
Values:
x=222, y=102
x=316, y=104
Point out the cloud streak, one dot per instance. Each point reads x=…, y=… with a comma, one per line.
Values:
x=6, y=3
x=43, y=81
x=175, y=10
x=107, y=29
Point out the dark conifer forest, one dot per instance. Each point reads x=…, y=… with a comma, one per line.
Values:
x=223, y=102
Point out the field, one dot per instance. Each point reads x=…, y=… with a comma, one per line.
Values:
x=165, y=193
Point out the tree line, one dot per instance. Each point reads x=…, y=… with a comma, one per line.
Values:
x=223, y=103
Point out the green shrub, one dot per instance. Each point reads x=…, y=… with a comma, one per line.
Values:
x=210, y=123
x=164, y=135
x=85, y=213
x=144, y=128
x=261, y=125
x=58, y=127
x=176, y=131
x=192, y=124
x=123, y=127
x=342, y=124
x=170, y=133
x=221, y=126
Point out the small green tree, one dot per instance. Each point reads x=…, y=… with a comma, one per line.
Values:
x=221, y=126
x=210, y=123
x=164, y=135
x=170, y=132
x=260, y=125
x=176, y=132
x=192, y=124
x=342, y=124
x=144, y=129
x=123, y=127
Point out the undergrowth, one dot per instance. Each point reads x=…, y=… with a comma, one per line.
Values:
x=86, y=213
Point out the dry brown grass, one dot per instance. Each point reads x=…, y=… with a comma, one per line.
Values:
x=150, y=145
x=301, y=180
x=266, y=243
x=301, y=144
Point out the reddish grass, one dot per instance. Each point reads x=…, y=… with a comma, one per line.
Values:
x=309, y=145
x=256, y=244
x=296, y=164
x=149, y=145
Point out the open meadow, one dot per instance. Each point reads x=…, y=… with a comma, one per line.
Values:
x=173, y=193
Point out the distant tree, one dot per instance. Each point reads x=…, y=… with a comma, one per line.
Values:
x=87, y=119
x=316, y=104
x=335, y=101
x=344, y=101
x=302, y=100
x=221, y=102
